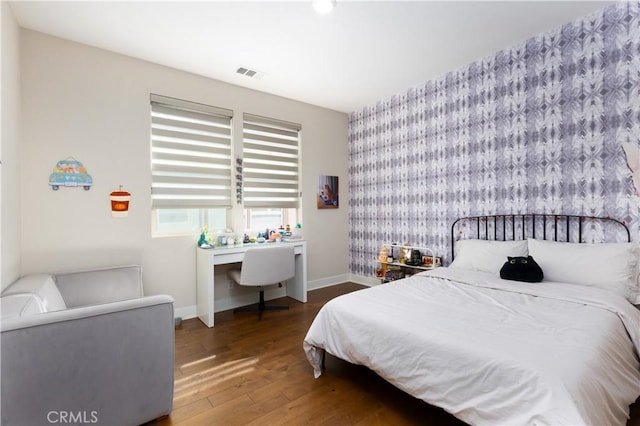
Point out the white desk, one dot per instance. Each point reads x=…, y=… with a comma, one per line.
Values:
x=206, y=259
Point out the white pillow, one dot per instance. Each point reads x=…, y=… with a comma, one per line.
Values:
x=32, y=294
x=43, y=287
x=485, y=255
x=18, y=305
x=612, y=266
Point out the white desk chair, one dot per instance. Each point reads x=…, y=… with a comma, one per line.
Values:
x=262, y=267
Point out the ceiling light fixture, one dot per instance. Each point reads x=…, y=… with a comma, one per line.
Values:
x=323, y=6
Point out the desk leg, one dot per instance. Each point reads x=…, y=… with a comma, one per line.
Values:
x=205, y=285
x=297, y=286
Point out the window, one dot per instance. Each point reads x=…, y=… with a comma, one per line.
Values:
x=258, y=220
x=188, y=221
x=270, y=150
x=190, y=166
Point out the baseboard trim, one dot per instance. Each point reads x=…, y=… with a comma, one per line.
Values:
x=327, y=282
x=186, y=312
x=368, y=281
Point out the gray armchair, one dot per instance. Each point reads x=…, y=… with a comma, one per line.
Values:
x=97, y=352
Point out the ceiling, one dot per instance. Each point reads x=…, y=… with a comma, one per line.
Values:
x=362, y=52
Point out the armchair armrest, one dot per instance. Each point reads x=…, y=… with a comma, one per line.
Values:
x=85, y=312
x=98, y=286
x=111, y=363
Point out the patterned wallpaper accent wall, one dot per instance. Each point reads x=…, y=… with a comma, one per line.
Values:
x=537, y=127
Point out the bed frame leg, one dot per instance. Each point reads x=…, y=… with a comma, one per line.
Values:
x=324, y=353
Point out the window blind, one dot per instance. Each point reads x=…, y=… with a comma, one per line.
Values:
x=190, y=154
x=270, y=150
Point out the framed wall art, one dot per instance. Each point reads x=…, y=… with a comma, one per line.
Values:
x=328, y=192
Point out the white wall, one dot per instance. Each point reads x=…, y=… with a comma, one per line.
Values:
x=9, y=150
x=94, y=105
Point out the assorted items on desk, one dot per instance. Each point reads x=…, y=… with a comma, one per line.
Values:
x=271, y=235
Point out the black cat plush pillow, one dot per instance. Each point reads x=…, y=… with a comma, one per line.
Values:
x=521, y=269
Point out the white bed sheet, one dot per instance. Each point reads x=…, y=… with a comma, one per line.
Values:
x=491, y=351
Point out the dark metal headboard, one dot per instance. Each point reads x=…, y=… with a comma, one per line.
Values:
x=532, y=225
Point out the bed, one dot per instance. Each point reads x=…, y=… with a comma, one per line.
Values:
x=494, y=351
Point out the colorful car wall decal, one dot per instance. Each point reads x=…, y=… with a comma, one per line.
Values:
x=70, y=172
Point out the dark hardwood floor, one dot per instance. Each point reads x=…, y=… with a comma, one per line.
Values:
x=244, y=371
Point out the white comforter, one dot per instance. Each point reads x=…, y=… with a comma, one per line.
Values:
x=491, y=351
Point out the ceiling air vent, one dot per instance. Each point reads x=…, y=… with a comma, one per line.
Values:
x=250, y=73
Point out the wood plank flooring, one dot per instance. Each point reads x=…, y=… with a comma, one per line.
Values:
x=249, y=372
